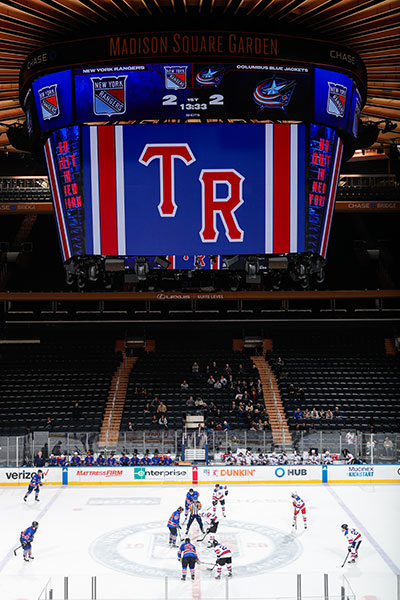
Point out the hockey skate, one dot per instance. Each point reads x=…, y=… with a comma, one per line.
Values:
x=183, y=578
x=31, y=557
x=352, y=560
x=24, y=498
x=229, y=574
x=26, y=559
x=37, y=500
x=192, y=576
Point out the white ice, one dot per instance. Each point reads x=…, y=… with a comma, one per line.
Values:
x=118, y=533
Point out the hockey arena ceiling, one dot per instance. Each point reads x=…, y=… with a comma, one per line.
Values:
x=370, y=27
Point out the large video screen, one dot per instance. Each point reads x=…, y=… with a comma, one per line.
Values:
x=199, y=91
x=193, y=189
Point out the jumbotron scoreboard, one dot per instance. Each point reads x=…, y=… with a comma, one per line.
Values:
x=194, y=144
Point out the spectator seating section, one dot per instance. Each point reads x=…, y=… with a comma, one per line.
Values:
x=162, y=373
x=46, y=380
x=350, y=372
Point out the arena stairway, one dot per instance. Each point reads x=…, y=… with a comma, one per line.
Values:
x=273, y=403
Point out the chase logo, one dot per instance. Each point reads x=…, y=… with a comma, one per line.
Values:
x=336, y=99
x=139, y=473
x=109, y=95
x=175, y=78
x=274, y=93
x=279, y=472
x=49, y=102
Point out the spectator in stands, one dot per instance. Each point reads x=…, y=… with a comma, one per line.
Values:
x=252, y=426
x=314, y=413
x=298, y=414
x=162, y=408
x=190, y=402
x=199, y=402
x=76, y=413
x=226, y=426
x=195, y=369
x=143, y=392
x=212, y=408
x=266, y=424
x=300, y=395
x=227, y=370
x=279, y=364
x=329, y=414
x=210, y=425
x=218, y=415
x=233, y=409
x=154, y=404
x=371, y=426
x=240, y=370
x=239, y=394
x=49, y=424
x=336, y=413
x=291, y=391
x=223, y=381
x=211, y=380
x=207, y=372
x=218, y=385
x=388, y=446
x=231, y=382
x=154, y=421
x=214, y=368
x=131, y=426
x=163, y=422
x=39, y=460
x=147, y=408
x=260, y=425
x=184, y=386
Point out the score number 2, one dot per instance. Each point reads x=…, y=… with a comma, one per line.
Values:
x=172, y=100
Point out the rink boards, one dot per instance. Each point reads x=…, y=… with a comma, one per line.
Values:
x=198, y=475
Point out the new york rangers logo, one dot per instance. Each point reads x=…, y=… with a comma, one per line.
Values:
x=209, y=77
x=274, y=93
x=175, y=78
x=336, y=99
x=49, y=102
x=109, y=95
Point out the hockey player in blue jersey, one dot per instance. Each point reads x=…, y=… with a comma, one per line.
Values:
x=111, y=461
x=101, y=460
x=76, y=460
x=53, y=461
x=124, y=460
x=135, y=460
x=26, y=540
x=188, y=556
x=156, y=460
x=34, y=484
x=167, y=460
x=89, y=460
x=173, y=526
x=62, y=461
x=188, y=500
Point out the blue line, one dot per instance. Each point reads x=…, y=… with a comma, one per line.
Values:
x=42, y=513
x=365, y=532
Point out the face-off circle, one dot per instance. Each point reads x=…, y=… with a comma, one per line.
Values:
x=140, y=550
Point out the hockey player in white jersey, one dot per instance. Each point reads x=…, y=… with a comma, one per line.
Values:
x=224, y=557
x=354, y=540
x=299, y=505
x=327, y=458
x=273, y=459
x=210, y=522
x=219, y=494
x=297, y=458
x=313, y=458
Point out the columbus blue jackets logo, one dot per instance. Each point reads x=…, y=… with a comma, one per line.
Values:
x=274, y=93
x=175, y=78
x=336, y=99
x=49, y=102
x=211, y=76
x=109, y=95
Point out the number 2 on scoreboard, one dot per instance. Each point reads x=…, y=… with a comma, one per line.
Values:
x=170, y=100
x=216, y=99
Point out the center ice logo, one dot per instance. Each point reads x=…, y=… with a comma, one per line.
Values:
x=141, y=550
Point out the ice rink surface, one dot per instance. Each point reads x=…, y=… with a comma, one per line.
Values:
x=118, y=533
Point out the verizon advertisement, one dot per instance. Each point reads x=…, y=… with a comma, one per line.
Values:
x=22, y=476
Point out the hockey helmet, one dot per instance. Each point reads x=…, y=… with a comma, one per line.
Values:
x=180, y=509
x=187, y=540
x=294, y=494
x=215, y=543
x=345, y=527
x=35, y=524
x=40, y=471
x=191, y=490
x=195, y=494
x=217, y=486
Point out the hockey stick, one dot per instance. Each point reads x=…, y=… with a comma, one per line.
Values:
x=204, y=536
x=15, y=550
x=344, y=562
x=212, y=565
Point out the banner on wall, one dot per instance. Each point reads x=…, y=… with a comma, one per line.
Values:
x=22, y=476
x=94, y=475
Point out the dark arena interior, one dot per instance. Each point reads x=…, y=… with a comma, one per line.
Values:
x=200, y=290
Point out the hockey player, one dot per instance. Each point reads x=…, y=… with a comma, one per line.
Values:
x=241, y=459
x=173, y=526
x=327, y=458
x=313, y=458
x=111, y=461
x=124, y=460
x=297, y=458
x=299, y=505
x=224, y=557
x=26, y=540
x=188, y=555
x=348, y=456
x=62, y=461
x=89, y=459
x=101, y=460
x=53, y=461
x=273, y=459
x=211, y=522
x=168, y=460
x=189, y=498
x=195, y=508
x=135, y=460
x=76, y=460
x=219, y=494
x=353, y=540
x=34, y=484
